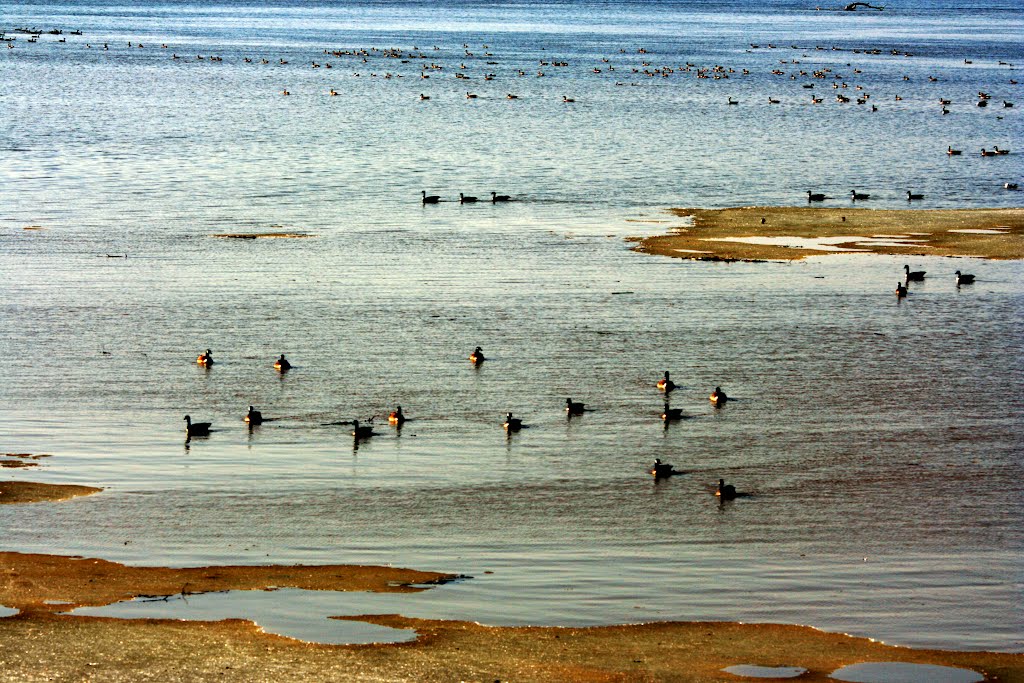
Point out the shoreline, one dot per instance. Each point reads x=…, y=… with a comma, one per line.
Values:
x=790, y=233
x=21, y=492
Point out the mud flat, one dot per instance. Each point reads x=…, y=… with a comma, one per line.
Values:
x=787, y=233
x=34, y=492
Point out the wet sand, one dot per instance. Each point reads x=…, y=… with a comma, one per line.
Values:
x=943, y=232
x=34, y=492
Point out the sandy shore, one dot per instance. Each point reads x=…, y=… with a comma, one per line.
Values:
x=33, y=492
x=706, y=233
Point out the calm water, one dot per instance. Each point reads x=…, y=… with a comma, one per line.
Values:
x=882, y=441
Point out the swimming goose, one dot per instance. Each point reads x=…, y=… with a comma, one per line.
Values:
x=915, y=275
x=463, y=199
x=205, y=358
x=953, y=152
x=911, y=196
x=1000, y=151
x=282, y=364
x=718, y=396
x=573, y=407
x=362, y=432
x=397, y=417
x=666, y=384
x=815, y=196
x=477, y=356
x=253, y=417
x=964, y=279
x=512, y=424
x=567, y=100
x=671, y=414
x=854, y=195
x=430, y=199
x=726, y=491
x=732, y=101
x=986, y=153
x=901, y=290
x=196, y=428
x=1010, y=186
x=495, y=197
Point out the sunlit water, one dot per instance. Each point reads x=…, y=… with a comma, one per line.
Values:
x=881, y=440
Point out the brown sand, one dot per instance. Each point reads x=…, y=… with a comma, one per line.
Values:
x=934, y=226
x=34, y=492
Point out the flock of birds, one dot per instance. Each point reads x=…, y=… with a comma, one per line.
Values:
x=918, y=276
x=463, y=198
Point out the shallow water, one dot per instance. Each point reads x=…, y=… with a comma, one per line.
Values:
x=902, y=672
x=880, y=439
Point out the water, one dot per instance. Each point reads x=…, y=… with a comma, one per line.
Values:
x=881, y=440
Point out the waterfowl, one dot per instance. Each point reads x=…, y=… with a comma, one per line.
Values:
x=253, y=417
x=196, y=428
x=718, y=396
x=1000, y=151
x=573, y=407
x=512, y=424
x=362, y=432
x=510, y=96
x=913, y=275
x=911, y=196
x=964, y=279
x=567, y=100
x=424, y=97
x=732, y=101
x=463, y=199
x=1010, y=186
x=815, y=196
x=662, y=469
x=471, y=96
x=282, y=364
x=854, y=195
x=495, y=197
x=671, y=414
x=396, y=417
x=666, y=384
x=430, y=199
x=477, y=356
x=901, y=290
x=726, y=491
x=205, y=358
x=953, y=152
x=986, y=153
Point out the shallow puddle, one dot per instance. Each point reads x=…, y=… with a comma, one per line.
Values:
x=754, y=671
x=903, y=672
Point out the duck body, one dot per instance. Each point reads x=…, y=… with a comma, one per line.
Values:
x=495, y=197
x=512, y=424
x=672, y=414
x=282, y=364
x=574, y=407
x=914, y=275
x=718, y=397
x=477, y=356
x=912, y=197
x=665, y=383
x=362, y=431
x=815, y=196
x=964, y=279
x=253, y=417
x=464, y=199
x=205, y=359
x=901, y=290
x=430, y=198
x=663, y=470
x=196, y=428
x=858, y=196
x=726, y=491
x=396, y=417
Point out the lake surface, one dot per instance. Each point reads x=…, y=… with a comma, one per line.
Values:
x=881, y=440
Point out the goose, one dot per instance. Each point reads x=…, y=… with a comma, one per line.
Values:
x=732, y=101
x=253, y=417
x=477, y=356
x=495, y=197
x=362, y=432
x=964, y=279
x=773, y=101
x=901, y=290
x=1000, y=151
x=471, y=96
x=196, y=428
x=567, y=100
x=512, y=424
x=463, y=199
x=913, y=275
x=953, y=152
x=573, y=407
x=911, y=196
x=1007, y=105
x=1010, y=186
x=854, y=195
x=333, y=93
x=285, y=92
x=671, y=414
x=205, y=358
x=282, y=364
x=718, y=396
x=666, y=384
x=986, y=153
x=726, y=491
x=510, y=96
x=424, y=97
x=396, y=417
x=430, y=199
x=815, y=196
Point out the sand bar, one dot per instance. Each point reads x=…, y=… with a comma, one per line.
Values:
x=12, y=492
x=982, y=233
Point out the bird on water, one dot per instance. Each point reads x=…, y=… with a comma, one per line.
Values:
x=964, y=279
x=512, y=424
x=666, y=384
x=431, y=198
x=477, y=357
x=196, y=428
x=253, y=417
x=913, y=275
x=718, y=397
x=205, y=358
x=282, y=364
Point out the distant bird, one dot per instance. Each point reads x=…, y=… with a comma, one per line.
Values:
x=430, y=199
x=854, y=195
x=1010, y=186
x=672, y=414
x=512, y=424
x=772, y=101
x=471, y=96
x=901, y=290
x=953, y=152
x=196, y=428
x=282, y=364
x=815, y=196
x=1000, y=151
x=510, y=96
x=964, y=279
x=718, y=397
x=1007, y=105
x=574, y=407
x=666, y=384
x=463, y=199
x=424, y=97
x=732, y=101
x=726, y=491
x=567, y=100
x=253, y=417
x=911, y=196
x=986, y=153
x=205, y=358
x=913, y=275
x=397, y=417
x=361, y=431
x=495, y=197
x=477, y=357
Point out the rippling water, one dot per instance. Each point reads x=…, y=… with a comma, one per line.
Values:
x=881, y=440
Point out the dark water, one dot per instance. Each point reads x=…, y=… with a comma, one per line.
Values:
x=881, y=441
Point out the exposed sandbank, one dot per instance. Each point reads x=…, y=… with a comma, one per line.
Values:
x=937, y=232
x=34, y=492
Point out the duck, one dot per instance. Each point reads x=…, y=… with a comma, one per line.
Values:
x=430, y=199
x=205, y=359
x=196, y=428
x=423, y=97
x=1000, y=151
x=901, y=290
x=964, y=279
x=567, y=100
x=282, y=364
x=253, y=417
x=362, y=431
x=471, y=96
x=986, y=153
x=911, y=196
x=671, y=414
x=574, y=407
x=718, y=396
x=495, y=197
x=815, y=196
x=396, y=417
x=663, y=469
x=854, y=195
x=463, y=199
x=477, y=357
x=913, y=275
x=666, y=384
x=953, y=152
x=1010, y=186
x=726, y=491
x=512, y=424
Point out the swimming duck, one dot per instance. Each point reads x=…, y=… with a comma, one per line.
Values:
x=196, y=428
x=914, y=275
x=986, y=153
x=726, y=491
x=666, y=384
x=362, y=432
x=901, y=290
x=964, y=279
x=718, y=396
x=495, y=197
x=282, y=364
x=396, y=417
x=911, y=196
x=430, y=199
x=253, y=417
x=672, y=414
x=1000, y=151
x=463, y=199
x=512, y=424
x=573, y=407
x=815, y=196
x=205, y=358
x=854, y=195
x=953, y=152
x=1010, y=186
x=477, y=357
